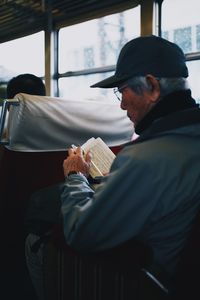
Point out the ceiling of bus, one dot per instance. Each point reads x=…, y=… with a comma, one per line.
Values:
x=19, y=18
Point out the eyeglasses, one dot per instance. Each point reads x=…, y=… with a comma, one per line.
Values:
x=118, y=91
x=131, y=84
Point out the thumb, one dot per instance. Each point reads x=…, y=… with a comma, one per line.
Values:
x=88, y=157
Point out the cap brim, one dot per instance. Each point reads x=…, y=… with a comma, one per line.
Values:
x=109, y=82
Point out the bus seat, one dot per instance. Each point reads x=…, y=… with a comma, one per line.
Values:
x=105, y=275
x=38, y=132
x=64, y=122
x=110, y=275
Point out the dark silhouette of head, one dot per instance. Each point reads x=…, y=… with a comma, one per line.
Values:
x=25, y=83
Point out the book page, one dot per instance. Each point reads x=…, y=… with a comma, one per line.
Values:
x=102, y=156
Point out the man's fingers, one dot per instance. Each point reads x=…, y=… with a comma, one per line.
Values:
x=70, y=151
x=79, y=151
x=88, y=157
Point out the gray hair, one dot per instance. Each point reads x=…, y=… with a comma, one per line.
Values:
x=167, y=85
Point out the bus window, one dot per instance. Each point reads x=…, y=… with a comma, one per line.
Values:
x=194, y=78
x=181, y=25
x=23, y=55
x=93, y=45
x=180, y=20
x=78, y=87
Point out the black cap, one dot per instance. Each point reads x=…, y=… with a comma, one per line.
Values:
x=147, y=55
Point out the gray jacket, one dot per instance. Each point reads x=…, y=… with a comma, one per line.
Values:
x=152, y=193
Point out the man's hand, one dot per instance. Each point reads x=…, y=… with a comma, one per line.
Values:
x=76, y=162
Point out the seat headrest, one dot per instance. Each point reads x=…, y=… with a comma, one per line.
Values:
x=41, y=123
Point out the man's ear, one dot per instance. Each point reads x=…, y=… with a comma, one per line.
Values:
x=154, y=88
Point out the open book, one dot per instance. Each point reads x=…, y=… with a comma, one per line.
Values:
x=102, y=156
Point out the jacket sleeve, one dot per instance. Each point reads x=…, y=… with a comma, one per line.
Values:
x=113, y=214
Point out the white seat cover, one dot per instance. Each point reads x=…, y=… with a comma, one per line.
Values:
x=41, y=123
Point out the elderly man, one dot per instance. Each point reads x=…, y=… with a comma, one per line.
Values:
x=152, y=191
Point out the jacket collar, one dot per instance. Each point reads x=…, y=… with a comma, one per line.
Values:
x=169, y=105
x=171, y=122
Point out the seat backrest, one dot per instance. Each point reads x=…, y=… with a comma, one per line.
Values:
x=116, y=273
x=110, y=274
x=41, y=123
x=39, y=130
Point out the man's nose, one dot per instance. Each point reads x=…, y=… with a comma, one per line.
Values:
x=122, y=105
